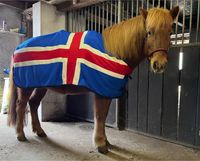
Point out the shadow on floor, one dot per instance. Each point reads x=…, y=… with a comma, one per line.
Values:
x=119, y=154
x=76, y=155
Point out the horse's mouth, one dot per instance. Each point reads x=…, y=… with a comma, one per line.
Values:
x=158, y=71
x=158, y=68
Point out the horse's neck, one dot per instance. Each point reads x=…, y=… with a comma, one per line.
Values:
x=126, y=40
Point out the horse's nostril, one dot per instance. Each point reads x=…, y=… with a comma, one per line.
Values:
x=155, y=65
x=163, y=67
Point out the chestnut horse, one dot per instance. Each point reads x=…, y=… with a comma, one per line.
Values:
x=144, y=36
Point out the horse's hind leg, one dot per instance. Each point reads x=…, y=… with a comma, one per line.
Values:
x=21, y=103
x=34, y=103
x=101, y=107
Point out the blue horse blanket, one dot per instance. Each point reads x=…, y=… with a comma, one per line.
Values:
x=63, y=58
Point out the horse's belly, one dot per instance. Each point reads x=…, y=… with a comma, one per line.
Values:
x=69, y=89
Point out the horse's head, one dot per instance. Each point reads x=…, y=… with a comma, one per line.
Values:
x=158, y=24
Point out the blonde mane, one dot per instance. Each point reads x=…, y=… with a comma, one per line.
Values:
x=126, y=39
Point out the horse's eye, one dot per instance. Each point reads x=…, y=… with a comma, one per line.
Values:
x=149, y=33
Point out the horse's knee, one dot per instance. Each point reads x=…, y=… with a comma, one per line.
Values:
x=34, y=103
x=36, y=97
x=21, y=103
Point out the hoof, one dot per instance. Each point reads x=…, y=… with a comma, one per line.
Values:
x=42, y=135
x=21, y=138
x=102, y=149
x=108, y=144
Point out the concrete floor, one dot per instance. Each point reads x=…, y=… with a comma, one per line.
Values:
x=72, y=142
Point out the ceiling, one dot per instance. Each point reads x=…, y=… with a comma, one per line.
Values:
x=19, y=4
x=61, y=5
x=64, y=5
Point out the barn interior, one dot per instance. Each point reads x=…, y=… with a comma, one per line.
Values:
x=156, y=119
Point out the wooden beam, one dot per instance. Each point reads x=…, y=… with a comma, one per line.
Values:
x=62, y=6
x=80, y=4
x=15, y=4
x=57, y=2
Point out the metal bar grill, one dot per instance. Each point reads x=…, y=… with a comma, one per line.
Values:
x=132, y=7
x=91, y=9
x=176, y=25
x=147, y=4
x=119, y=11
x=115, y=12
x=75, y=18
x=170, y=4
x=122, y=10
x=137, y=7
x=79, y=20
x=103, y=23
x=183, y=27
x=190, y=27
x=165, y=3
x=158, y=3
x=142, y=3
x=73, y=23
x=198, y=16
x=111, y=12
x=97, y=17
x=107, y=15
x=127, y=10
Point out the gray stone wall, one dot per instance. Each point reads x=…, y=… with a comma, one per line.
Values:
x=8, y=41
x=11, y=16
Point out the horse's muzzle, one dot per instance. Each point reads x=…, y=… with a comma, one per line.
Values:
x=159, y=60
x=157, y=67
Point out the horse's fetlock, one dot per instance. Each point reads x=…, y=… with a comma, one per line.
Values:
x=99, y=141
x=18, y=129
x=34, y=130
x=21, y=137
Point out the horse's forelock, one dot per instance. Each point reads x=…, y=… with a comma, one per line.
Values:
x=158, y=18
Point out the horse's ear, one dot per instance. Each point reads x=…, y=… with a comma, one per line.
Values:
x=143, y=12
x=174, y=12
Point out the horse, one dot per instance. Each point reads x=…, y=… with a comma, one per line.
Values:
x=144, y=36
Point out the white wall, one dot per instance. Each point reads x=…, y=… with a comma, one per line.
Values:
x=46, y=19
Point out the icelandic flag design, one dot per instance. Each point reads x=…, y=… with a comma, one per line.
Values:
x=63, y=58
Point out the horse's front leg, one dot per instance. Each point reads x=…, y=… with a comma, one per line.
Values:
x=101, y=107
x=34, y=103
x=21, y=103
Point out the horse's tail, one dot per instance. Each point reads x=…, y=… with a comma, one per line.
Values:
x=12, y=97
